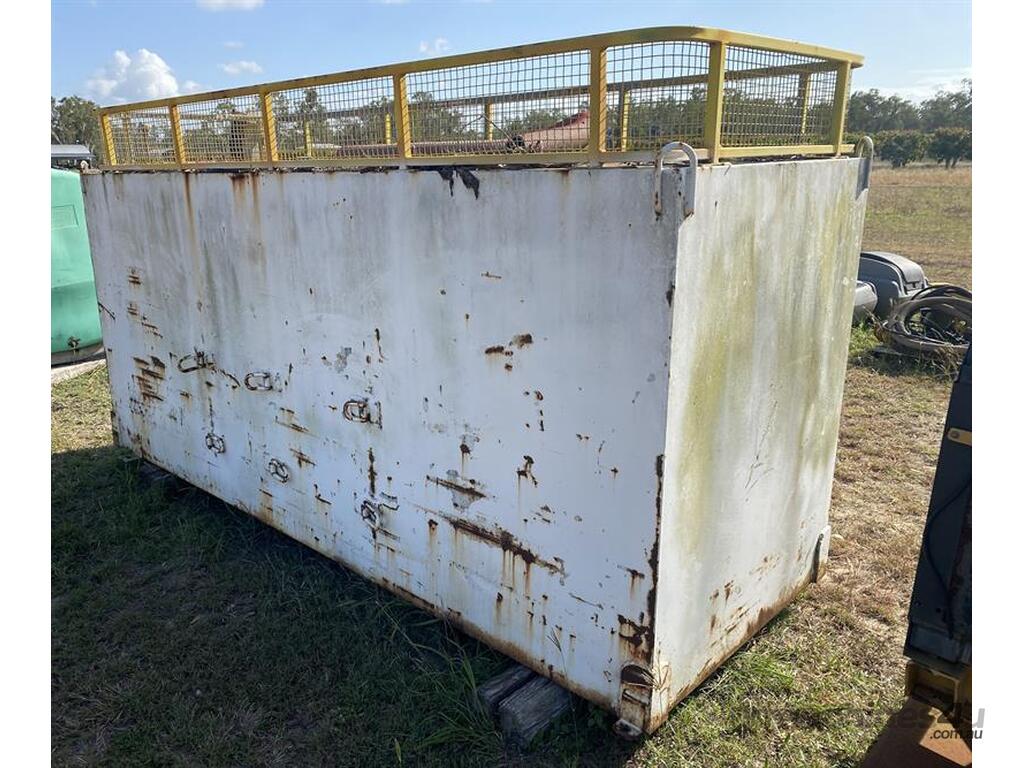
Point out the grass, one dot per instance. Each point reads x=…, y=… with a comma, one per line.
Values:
x=186, y=633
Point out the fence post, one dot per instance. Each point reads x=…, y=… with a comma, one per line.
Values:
x=839, y=106
x=177, y=140
x=488, y=120
x=623, y=120
x=107, y=134
x=404, y=127
x=803, y=97
x=713, y=112
x=269, y=126
x=307, y=136
x=597, y=139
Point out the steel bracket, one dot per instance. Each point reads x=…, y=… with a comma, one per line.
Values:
x=689, y=182
x=865, y=150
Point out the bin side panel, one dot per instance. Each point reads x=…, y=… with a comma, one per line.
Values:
x=456, y=385
x=765, y=283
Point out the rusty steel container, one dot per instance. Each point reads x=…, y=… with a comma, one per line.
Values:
x=598, y=437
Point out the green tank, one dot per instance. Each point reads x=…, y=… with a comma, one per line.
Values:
x=74, y=315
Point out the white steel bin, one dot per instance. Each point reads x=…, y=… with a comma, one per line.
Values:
x=598, y=438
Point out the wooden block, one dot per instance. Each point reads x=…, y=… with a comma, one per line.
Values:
x=531, y=709
x=498, y=687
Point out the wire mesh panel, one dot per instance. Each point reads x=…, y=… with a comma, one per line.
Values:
x=532, y=104
x=228, y=130
x=650, y=87
x=657, y=93
x=773, y=98
x=142, y=137
x=337, y=120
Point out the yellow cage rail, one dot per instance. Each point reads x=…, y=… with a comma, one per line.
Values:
x=614, y=97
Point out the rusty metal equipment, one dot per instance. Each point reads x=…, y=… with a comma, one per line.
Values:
x=587, y=414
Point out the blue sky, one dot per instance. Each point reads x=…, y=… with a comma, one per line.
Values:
x=115, y=51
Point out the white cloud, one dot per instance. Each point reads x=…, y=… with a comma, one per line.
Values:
x=437, y=46
x=233, y=44
x=922, y=83
x=229, y=5
x=136, y=77
x=242, y=67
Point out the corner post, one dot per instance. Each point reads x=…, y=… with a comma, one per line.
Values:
x=713, y=111
x=839, y=106
x=107, y=134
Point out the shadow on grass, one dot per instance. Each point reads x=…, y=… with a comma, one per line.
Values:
x=188, y=633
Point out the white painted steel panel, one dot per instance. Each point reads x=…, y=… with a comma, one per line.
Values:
x=464, y=394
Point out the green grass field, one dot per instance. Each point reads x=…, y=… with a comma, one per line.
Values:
x=186, y=633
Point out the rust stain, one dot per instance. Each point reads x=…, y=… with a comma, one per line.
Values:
x=521, y=340
x=652, y=562
x=753, y=626
x=148, y=376
x=526, y=471
x=372, y=473
x=497, y=349
x=464, y=493
x=134, y=278
x=302, y=458
x=638, y=636
x=286, y=418
x=508, y=543
x=380, y=352
x=316, y=492
x=490, y=276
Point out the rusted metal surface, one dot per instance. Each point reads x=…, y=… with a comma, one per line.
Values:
x=473, y=394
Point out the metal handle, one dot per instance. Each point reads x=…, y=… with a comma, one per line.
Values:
x=689, y=184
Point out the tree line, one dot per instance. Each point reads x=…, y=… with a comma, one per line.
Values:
x=938, y=128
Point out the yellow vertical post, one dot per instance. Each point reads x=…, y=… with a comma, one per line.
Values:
x=177, y=139
x=803, y=97
x=488, y=121
x=108, y=139
x=307, y=134
x=839, y=105
x=404, y=127
x=387, y=127
x=598, y=103
x=271, y=154
x=713, y=111
x=624, y=120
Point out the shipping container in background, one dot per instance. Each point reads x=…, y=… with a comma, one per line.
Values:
x=587, y=413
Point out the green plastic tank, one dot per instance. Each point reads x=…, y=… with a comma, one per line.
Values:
x=74, y=315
